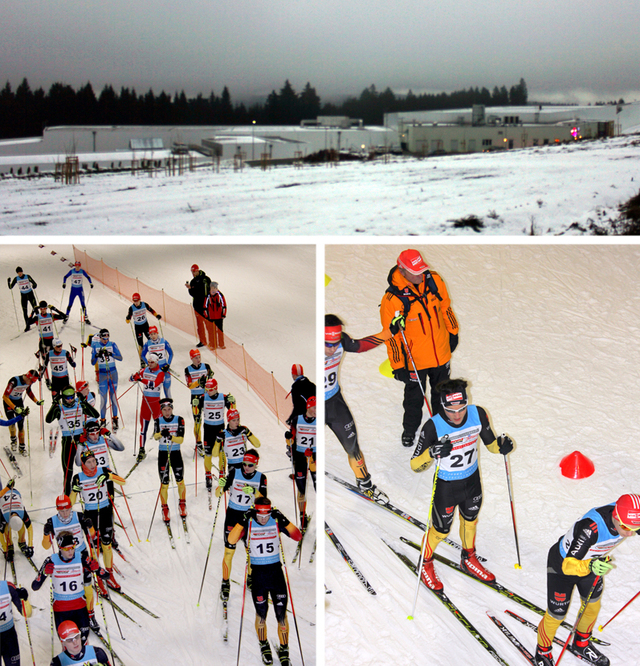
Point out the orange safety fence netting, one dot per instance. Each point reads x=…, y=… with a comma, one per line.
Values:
x=181, y=316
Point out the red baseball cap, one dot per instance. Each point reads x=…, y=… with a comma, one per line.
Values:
x=412, y=262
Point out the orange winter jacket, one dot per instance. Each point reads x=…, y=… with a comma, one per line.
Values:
x=429, y=321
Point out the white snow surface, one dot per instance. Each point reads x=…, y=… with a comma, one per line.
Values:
x=546, y=190
x=274, y=315
x=548, y=341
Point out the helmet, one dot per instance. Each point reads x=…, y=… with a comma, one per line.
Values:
x=104, y=333
x=195, y=268
x=412, y=262
x=627, y=511
x=67, y=630
x=32, y=375
x=86, y=454
x=57, y=342
x=43, y=304
x=251, y=456
x=297, y=370
x=233, y=414
x=92, y=426
x=193, y=353
x=211, y=384
x=153, y=329
x=68, y=394
x=311, y=402
x=82, y=385
x=263, y=505
x=152, y=358
x=63, y=502
x=65, y=539
x=135, y=297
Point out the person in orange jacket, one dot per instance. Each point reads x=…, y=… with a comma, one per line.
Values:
x=431, y=332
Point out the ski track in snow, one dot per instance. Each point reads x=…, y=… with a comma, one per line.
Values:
x=547, y=189
x=169, y=581
x=548, y=340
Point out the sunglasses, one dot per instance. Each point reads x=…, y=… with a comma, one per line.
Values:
x=454, y=410
x=331, y=344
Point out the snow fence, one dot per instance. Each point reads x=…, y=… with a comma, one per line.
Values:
x=181, y=315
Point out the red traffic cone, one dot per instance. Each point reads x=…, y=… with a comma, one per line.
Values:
x=576, y=466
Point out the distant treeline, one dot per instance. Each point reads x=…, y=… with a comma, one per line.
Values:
x=25, y=112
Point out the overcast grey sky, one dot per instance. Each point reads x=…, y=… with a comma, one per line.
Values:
x=585, y=50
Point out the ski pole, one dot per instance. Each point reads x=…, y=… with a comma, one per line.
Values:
x=204, y=573
x=13, y=298
x=424, y=543
x=602, y=626
x=155, y=508
x=244, y=592
x=286, y=575
x=26, y=623
x=513, y=513
x=415, y=369
x=583, y=608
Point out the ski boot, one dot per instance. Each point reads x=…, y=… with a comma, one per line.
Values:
x=114, y=423
x=182, y=504
x=86, y=319
x=93, y=623
x=583, y=648
x=165, y=513
x=14, y=443
x=408, y=438
x=142, y=454
x=66, y=319
x=27, y=328
x=224, y=590
x=8, y=554
x=265, y=650
x=429, y=576
x=372, y=492
x=112, y=582
x=103, y=423
x=544, y=656
x=470, y=563
x=102, y=587
x=304, y=521
x=22, y=450
x=283, y=655
x=208, y=478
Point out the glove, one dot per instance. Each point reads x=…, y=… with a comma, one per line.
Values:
x=202, y=381
x=39, y=403
x=222, y=482
x=158, y=317
x=600, y=566
x=249, y=490
x=289, y=451
x=64, y=285
x=101, y=479
x=25, y=411
x=48, y=383
x=92, y=285
x=165, y=368
x=397, y=324
x=231, y=399
x=505, y=444
x=453, y=341
x=166, y=433
x=308, y=453
x=49, y=568
x=22, y=593
x=442, y=448
x=28, y=551
x=402, y=375
x=94, y=565
x=11, y=483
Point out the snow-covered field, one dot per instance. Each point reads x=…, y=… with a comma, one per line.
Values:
x=274, y=315
x=550, y=190
x=548, y=340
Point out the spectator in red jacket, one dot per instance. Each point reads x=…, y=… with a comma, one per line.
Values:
x=215, y=310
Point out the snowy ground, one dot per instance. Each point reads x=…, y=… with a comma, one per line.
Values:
x=548, y=340
x=551, y=190
x=262, y=299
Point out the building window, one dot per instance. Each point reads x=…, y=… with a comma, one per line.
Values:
x=486, y=142
x=535, y=142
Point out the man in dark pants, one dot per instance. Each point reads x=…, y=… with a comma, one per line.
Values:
x=431, y=332
x=199, y=290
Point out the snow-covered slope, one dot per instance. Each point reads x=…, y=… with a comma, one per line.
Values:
x=258, y=284
x=548, y=340
x=537, y=190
